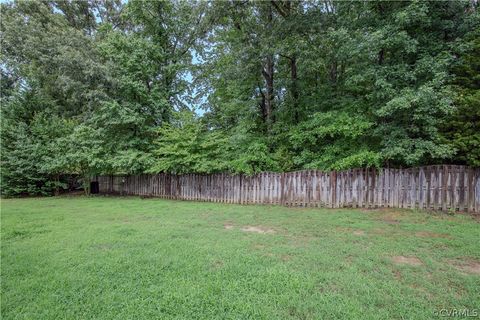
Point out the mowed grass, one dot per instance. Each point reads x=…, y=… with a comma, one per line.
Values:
x=128, y=258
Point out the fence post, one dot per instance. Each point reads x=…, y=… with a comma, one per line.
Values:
x=333, y=187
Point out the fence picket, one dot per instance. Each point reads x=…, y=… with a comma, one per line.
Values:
x=432, y=187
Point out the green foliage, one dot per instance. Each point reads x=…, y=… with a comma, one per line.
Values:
x=110, y=87
x=462, y=132
x=334, y=140
x=21, y=173
x=186, y=146
x=32, y=158
x=255, y=158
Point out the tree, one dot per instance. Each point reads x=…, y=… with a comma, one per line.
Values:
x=109, y=87
x=462, y=131
x=186, y=146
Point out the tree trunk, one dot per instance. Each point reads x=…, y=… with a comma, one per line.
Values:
x=333, y=72
x=261, y=104
x=294, y=89
x=286, y=9
x=268, y=72
x=269, y=95
x=86, y=184
x=57, y=183
x=381, y=56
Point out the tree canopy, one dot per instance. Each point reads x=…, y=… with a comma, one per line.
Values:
x=128, y=87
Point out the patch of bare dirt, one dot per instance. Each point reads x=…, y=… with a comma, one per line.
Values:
x=412, y=261
x=356, y=232
x=389, y=216
x=396, y=232
x=378, y=231
x=389, y=220
x=286, y=257
x=428, y=234
x=359, y=232
x=228, y=226
x=257, y=229
x=468, y=265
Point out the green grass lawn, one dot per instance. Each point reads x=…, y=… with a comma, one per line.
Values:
x=128, y=258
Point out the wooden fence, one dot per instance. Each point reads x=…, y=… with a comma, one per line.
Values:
x=443, y=187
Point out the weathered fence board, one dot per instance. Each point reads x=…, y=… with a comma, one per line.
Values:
x=442, y=187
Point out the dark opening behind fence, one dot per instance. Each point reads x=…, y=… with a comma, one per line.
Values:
x=440, y=187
